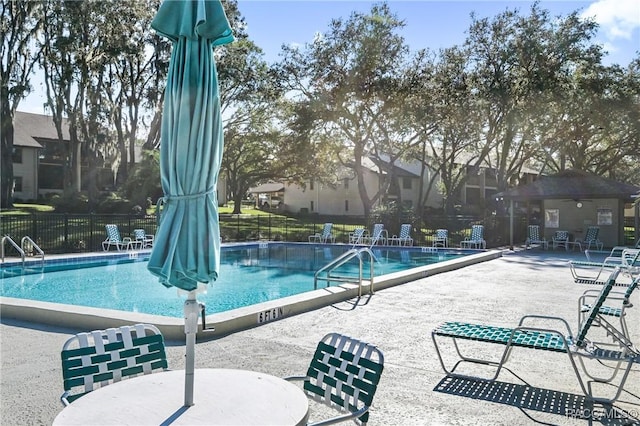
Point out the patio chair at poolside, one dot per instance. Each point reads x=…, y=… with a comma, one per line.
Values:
x=404, y=239
x=344, y=374
x=114, y=239
x=560, y=239
x=143, y=239
x=622, y=300
x=102, y=357
x=533, y=237
x=357, y=236
x=379, y=235
x=324, y=237
x=530, y=335
x=476, y=239
x=628, y=261
x=591, y=237
x=441, y=238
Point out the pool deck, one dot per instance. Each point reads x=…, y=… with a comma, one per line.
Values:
x=414, y=390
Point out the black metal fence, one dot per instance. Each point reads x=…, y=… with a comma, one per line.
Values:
x=65, y=233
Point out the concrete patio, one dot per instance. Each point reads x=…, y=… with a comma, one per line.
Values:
x=414, y=390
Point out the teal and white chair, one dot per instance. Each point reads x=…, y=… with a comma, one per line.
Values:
x=378, y=235
x=533, y=237
x=441, y=238
x=533, y=332
x=325, y=237
x=142, y=239
x=476, y=239
x=357, y=236
x=343, y=374
x=591, y=237
x=404, y=239
x=99, y=358
x=114, y=239
x=560, y=239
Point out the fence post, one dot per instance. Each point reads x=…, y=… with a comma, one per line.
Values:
x=269, y=238
x=91, y=229
x=34, y=227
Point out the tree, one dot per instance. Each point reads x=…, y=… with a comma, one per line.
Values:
x=19, y=24
x=348, y=84
x=519, y=64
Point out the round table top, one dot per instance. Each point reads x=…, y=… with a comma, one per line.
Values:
x=221, y=397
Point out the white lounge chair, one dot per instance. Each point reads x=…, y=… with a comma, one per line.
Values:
x=404, y=239
x=324, y=237
x=114, y=239
x=476, y=239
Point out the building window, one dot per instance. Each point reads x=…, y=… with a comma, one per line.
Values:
x=17, y=184
x=17, y=155
x=346, y=205
x=311, y=185
x=406, y=182
x=346, y=183
x=311, y=206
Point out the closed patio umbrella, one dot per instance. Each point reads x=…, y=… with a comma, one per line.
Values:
x=186, y=252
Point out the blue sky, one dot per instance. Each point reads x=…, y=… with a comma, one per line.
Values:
x=429, y=24
x=432, y=23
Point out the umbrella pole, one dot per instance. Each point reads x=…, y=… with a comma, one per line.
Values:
x=191, y=311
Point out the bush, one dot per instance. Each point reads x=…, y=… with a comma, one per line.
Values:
x=73, y=203
x=115, y=204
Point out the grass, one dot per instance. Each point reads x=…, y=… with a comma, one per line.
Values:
x=28, y=209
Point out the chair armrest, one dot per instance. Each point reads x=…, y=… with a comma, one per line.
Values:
x=294, y=378
x=545, y=318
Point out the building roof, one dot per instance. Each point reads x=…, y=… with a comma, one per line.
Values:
x=572, y=184
x=28, y=128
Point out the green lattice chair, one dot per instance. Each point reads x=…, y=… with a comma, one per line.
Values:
x=476, y=240
x=379, y=235
x=591, y=237
x=533, y=237
x=404, y=239
x=101, y=357
x=325, y=237
x=529, y=334
x=560, y=239
x=344, y=374
x=606, y=312
x=357, y=236
x=114, y=239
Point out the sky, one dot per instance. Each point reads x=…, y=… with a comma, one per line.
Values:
x=430, y=24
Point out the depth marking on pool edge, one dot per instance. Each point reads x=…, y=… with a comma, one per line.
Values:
x=269, y=315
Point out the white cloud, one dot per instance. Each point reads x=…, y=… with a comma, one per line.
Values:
x=617, y=18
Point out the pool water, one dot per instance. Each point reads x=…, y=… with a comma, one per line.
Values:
x=248, y=275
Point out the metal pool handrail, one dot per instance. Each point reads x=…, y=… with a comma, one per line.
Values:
x=34, y=245
x=341, y=260
x=14, y=244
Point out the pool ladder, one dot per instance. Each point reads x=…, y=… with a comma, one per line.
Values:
x=330, y=268
x=24, y=244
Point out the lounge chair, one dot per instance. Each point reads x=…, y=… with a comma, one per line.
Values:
x=344, y=374
x=561, y=239
x=404, y=239
x=324, y=237
x=533, y=237
x=591, y=237
x=143, y=239
x=441, y=238
x=357, y=236
x=379, y=235
x=476, y=239
x=114, y=239
x=531, y=336
x=102, y=357
x=622, y=300
x=628, y=261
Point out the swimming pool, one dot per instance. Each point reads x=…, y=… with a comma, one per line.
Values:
x=263, y=281
x=248, y=275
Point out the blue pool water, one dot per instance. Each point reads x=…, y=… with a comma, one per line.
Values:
x=248, y=275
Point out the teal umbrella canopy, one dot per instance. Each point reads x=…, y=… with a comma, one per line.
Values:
x=186, y=249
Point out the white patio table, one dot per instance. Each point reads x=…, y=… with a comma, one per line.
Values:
x=221, y=397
